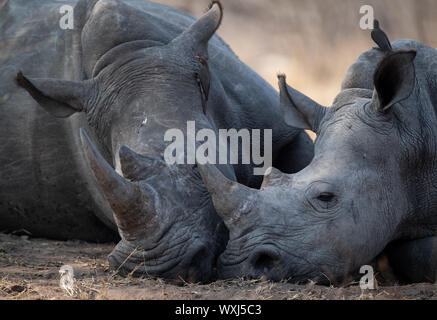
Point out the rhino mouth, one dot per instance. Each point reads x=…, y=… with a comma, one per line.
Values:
x=195, y=265
x=270, y=261
x=264, y=264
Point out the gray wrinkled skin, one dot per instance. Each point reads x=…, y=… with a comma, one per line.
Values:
x=128, y=74
x=370, y=184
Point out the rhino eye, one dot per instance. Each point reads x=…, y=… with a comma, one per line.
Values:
x=322, y=196
x=326, y=197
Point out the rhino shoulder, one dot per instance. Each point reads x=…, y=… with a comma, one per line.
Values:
x=409, y=44
x=360, y=74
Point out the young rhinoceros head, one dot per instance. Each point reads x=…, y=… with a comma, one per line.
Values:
x=356, y=196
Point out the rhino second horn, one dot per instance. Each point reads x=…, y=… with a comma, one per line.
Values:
x=229, y=197
x=272, y=177
x=126, y=199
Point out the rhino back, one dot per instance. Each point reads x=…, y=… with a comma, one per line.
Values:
x=44, y=186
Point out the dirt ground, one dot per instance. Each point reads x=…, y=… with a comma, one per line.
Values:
x=29, y=269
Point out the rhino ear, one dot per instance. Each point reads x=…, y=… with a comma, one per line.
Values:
x=196, y=37
x=394, y=79
x=61, y=98
x=298, y=110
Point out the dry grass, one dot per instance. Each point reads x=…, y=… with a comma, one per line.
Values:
x=29, y=269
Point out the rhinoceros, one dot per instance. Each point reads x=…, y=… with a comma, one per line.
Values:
x=91, y=163
x=370, y=185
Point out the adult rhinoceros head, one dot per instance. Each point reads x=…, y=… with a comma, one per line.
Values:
x=353, y=199
x=139, y=90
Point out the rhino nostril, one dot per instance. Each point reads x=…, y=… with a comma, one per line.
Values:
x=264, y=261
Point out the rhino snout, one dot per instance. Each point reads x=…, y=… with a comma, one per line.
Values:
x=265, y=261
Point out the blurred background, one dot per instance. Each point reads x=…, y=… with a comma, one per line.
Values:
x=312, y=41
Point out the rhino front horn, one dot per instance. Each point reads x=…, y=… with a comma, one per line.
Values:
x=230, y=198
x=126, y=199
